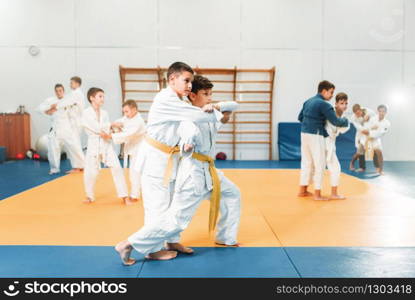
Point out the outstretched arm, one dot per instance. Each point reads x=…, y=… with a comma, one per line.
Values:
x=380, y=131
x=47, y=107
x=129, y=132
x=330, y=115
x=174, y=109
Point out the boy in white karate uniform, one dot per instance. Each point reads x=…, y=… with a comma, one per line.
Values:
x=360, y=118
x=375, y=129
x=197, y=177
x=100, y=149
x=75, y=112
x=130, y=132
x=61, y=132
x=333, y=164
x=158, y=156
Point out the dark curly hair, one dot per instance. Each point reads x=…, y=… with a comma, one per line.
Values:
x=201, y=83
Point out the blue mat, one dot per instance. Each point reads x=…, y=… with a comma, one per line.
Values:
x=289, y=142
x=63, y=261
x=224, y=262
x=20, y=175
x=2, y=154
x=353, y=261
x=271, y=262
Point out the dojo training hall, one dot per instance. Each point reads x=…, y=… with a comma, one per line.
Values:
x=268, y=56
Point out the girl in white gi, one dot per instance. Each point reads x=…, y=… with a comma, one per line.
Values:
x=376, y=129
x=333, y=164
x=359, y=117
x=131, y=129
x=75, y=112
x=158, y=155
x=61, y=132
x=100, y=149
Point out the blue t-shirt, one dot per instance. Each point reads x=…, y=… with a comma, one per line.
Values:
x=314, y=114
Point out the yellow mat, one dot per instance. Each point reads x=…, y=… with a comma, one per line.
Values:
x=272, y=214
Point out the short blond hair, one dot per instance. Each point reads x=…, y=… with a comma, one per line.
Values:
x=356, y=107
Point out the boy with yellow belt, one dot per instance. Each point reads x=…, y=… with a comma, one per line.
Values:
x=158, y=158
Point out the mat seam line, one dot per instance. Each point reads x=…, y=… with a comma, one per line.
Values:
x=141, y=269
x=283, y=247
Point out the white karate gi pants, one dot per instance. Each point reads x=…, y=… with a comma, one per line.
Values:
x=92, y=167
x=313, y=159
x=72, y=147
x=333, y=164
x=135, y=177
x=150, y=238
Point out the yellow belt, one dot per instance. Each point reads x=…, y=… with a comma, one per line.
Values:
x=215, y=197
x=168, y=150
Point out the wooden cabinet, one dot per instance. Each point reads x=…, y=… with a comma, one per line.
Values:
x=15, y=133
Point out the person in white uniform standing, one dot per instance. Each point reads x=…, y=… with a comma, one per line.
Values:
x=96, y=123
x=75, y=114
x=197, y=177
x=359, y=118
x=61, y=132
x=158, y=154
x=333, y=164
x=376, y=129
x=130, y=131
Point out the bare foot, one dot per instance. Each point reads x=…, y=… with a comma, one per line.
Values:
x=162, y=255
x=337, y=197
x=133, y=199
x=320, y=198
x=88, y=200
x=223, y=244
x=305, y=194
x=179, y=248
x=127, y=201
x=124, y=250
x=360, y=170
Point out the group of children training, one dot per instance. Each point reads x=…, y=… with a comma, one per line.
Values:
x=70, y=120
x=171, y=165
x=171, y=160
x=321, y=123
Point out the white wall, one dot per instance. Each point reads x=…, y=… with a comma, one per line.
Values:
x=366, y=47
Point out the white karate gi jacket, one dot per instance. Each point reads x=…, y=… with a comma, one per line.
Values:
x=333, y=132
x=203, y=136
x=359, y=124
x=375, y=135
x=97, y=146
x=131, y=135
x=166, y=113
x=77, y=97
x=60, y=119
